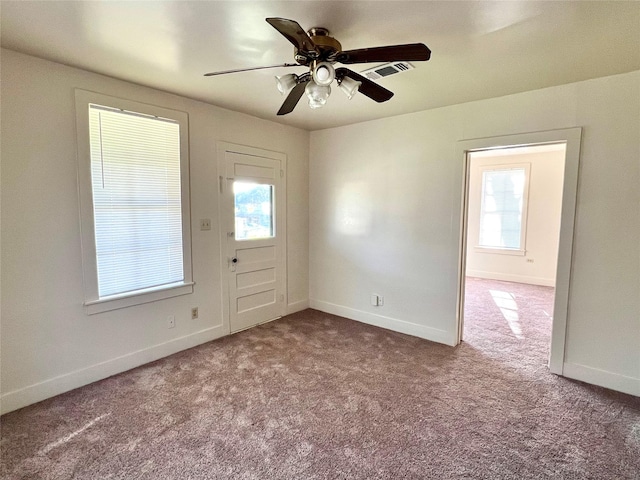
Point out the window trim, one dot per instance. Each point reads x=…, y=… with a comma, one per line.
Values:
x=92, y=301
x=524, y=218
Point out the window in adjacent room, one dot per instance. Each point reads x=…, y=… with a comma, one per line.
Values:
x=503, y=211
x=134, y=192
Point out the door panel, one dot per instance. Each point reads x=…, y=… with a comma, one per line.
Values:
x=247, y=253
x=252, y=211
x=258, y=277
x=259, y=300
x=255, y=171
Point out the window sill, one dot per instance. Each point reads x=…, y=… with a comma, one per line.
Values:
x=501, y=251
x=137, y=298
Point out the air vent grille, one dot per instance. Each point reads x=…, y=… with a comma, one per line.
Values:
x=386, y=70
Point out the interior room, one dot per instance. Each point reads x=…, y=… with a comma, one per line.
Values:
x=512, y=230
x=270, y=281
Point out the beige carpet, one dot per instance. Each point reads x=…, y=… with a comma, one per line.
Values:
x=315, y=396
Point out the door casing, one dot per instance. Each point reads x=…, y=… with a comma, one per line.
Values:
x=572, y=138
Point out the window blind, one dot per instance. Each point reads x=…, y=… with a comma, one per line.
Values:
x=501, y=213
x=135, y=172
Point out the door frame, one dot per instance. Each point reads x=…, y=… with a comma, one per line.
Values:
x=281, y=216
x=572, y=138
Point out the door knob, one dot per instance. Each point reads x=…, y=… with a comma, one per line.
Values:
x=234, y=260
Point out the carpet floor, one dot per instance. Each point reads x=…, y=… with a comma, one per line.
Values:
x=316, y=396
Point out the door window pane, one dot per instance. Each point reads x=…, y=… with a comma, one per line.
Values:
x=253, y=210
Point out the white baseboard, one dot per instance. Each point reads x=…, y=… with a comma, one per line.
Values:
x=297, y=306
x=507, y=277
x=602, y=378
x=55, y=386
x=394, y=324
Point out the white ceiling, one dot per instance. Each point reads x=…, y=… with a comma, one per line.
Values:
x=481, y=49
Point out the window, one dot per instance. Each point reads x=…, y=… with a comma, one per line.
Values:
x=503, y=210
x=253, y=210
x=133, y=174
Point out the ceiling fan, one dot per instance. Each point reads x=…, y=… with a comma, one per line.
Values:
x=320, y=51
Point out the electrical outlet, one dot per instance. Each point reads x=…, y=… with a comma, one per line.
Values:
x=380, y=300
x=194, y=313
x=205, y=224
x=171, y=321
x=529, y=260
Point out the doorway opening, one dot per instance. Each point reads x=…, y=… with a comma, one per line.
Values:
x=514, y=205
x=517, y=218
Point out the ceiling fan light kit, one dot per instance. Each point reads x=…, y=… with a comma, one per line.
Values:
x=286, y=82
x=323, y=73
x=349, y=86
x=320, y=51
x=317, y=94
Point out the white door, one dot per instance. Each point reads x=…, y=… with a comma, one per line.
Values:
x=253, y=235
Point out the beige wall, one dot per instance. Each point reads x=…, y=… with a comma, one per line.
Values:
x=538, y=265
x=48, y=343
x=384, y=208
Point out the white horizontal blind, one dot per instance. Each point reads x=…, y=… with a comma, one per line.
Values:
x=501, y=211
x=135, y=172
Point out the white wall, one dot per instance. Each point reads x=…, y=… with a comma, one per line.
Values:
x=538, y=265
x=48, y=344
x=385, y=199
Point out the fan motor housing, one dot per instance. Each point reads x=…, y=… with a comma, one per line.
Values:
x=329, y=47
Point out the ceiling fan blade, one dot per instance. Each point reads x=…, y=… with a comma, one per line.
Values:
x=224, y=72
x=292, y=99
x=293, y=32
x=413, y=52
x=368, y=88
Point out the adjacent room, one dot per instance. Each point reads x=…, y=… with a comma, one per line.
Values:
x=512, y=232
x=320, y=239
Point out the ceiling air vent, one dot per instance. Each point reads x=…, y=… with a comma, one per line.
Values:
x=386, y=70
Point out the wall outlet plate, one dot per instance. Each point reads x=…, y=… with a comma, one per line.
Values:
x=377, y=300
x=194, y=313
x=171, y=321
